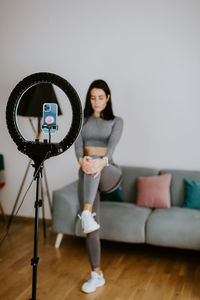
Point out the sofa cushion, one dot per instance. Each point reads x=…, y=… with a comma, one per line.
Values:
x=177, y=183
x=174, y=227
x=154, y=191
x=123, y=222
x=65, y=208
x=191, y=194
x=129, y=181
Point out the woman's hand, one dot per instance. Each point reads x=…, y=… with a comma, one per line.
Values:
x=86, y=164
x=92, y=166
x=98, y=165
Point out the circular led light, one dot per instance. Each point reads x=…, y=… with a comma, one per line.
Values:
x=40, y=150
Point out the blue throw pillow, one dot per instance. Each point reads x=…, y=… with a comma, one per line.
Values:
x=192, y=194
x=116, y=195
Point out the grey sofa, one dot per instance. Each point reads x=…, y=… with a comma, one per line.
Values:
x=126, y=222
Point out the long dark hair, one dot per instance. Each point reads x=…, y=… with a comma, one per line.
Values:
x=107, y=113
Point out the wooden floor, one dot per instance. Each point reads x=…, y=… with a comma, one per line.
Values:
x=131, y=271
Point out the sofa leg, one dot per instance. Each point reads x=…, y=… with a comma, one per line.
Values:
x=58, y=240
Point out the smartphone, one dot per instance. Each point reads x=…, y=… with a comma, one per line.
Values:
x=50, y=112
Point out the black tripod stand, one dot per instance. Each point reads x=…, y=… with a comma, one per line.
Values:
x=40, y=151
x=38, y=204
x=42, y=197
x=45, y=183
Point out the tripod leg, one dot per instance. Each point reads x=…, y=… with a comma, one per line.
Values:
x=18, y=195
x=47, y=189
x=35, y=259
x=43, y=211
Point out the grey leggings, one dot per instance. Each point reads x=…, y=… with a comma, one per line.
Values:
x=89, y=192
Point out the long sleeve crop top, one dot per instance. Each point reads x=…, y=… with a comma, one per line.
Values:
x=98, y=132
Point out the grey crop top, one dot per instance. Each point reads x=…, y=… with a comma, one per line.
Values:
x=100, y=133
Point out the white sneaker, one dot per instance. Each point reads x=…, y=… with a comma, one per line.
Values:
x=88, y=222
x=95, y=281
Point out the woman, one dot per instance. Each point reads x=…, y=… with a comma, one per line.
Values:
x=94, y=147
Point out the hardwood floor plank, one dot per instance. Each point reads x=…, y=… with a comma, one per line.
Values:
x=138, y=272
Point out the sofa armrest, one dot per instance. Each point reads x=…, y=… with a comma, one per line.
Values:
x=65, y=209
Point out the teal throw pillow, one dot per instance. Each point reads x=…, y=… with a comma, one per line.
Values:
x=116, y=195
x=192, y=194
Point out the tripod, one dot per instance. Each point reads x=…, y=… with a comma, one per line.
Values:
x=37, y=133
x=38, y=203
x=42, y=198
x=39, y=151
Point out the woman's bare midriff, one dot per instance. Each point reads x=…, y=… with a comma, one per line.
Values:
x=91, y=150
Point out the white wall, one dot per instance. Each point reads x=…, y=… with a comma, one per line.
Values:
x=147, y=51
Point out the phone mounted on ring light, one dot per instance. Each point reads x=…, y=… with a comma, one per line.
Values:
x=50, y=112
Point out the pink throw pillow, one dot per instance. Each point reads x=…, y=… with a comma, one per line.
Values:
x=154, y=191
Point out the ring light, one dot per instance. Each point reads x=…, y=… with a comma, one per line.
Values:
x=37, y=150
